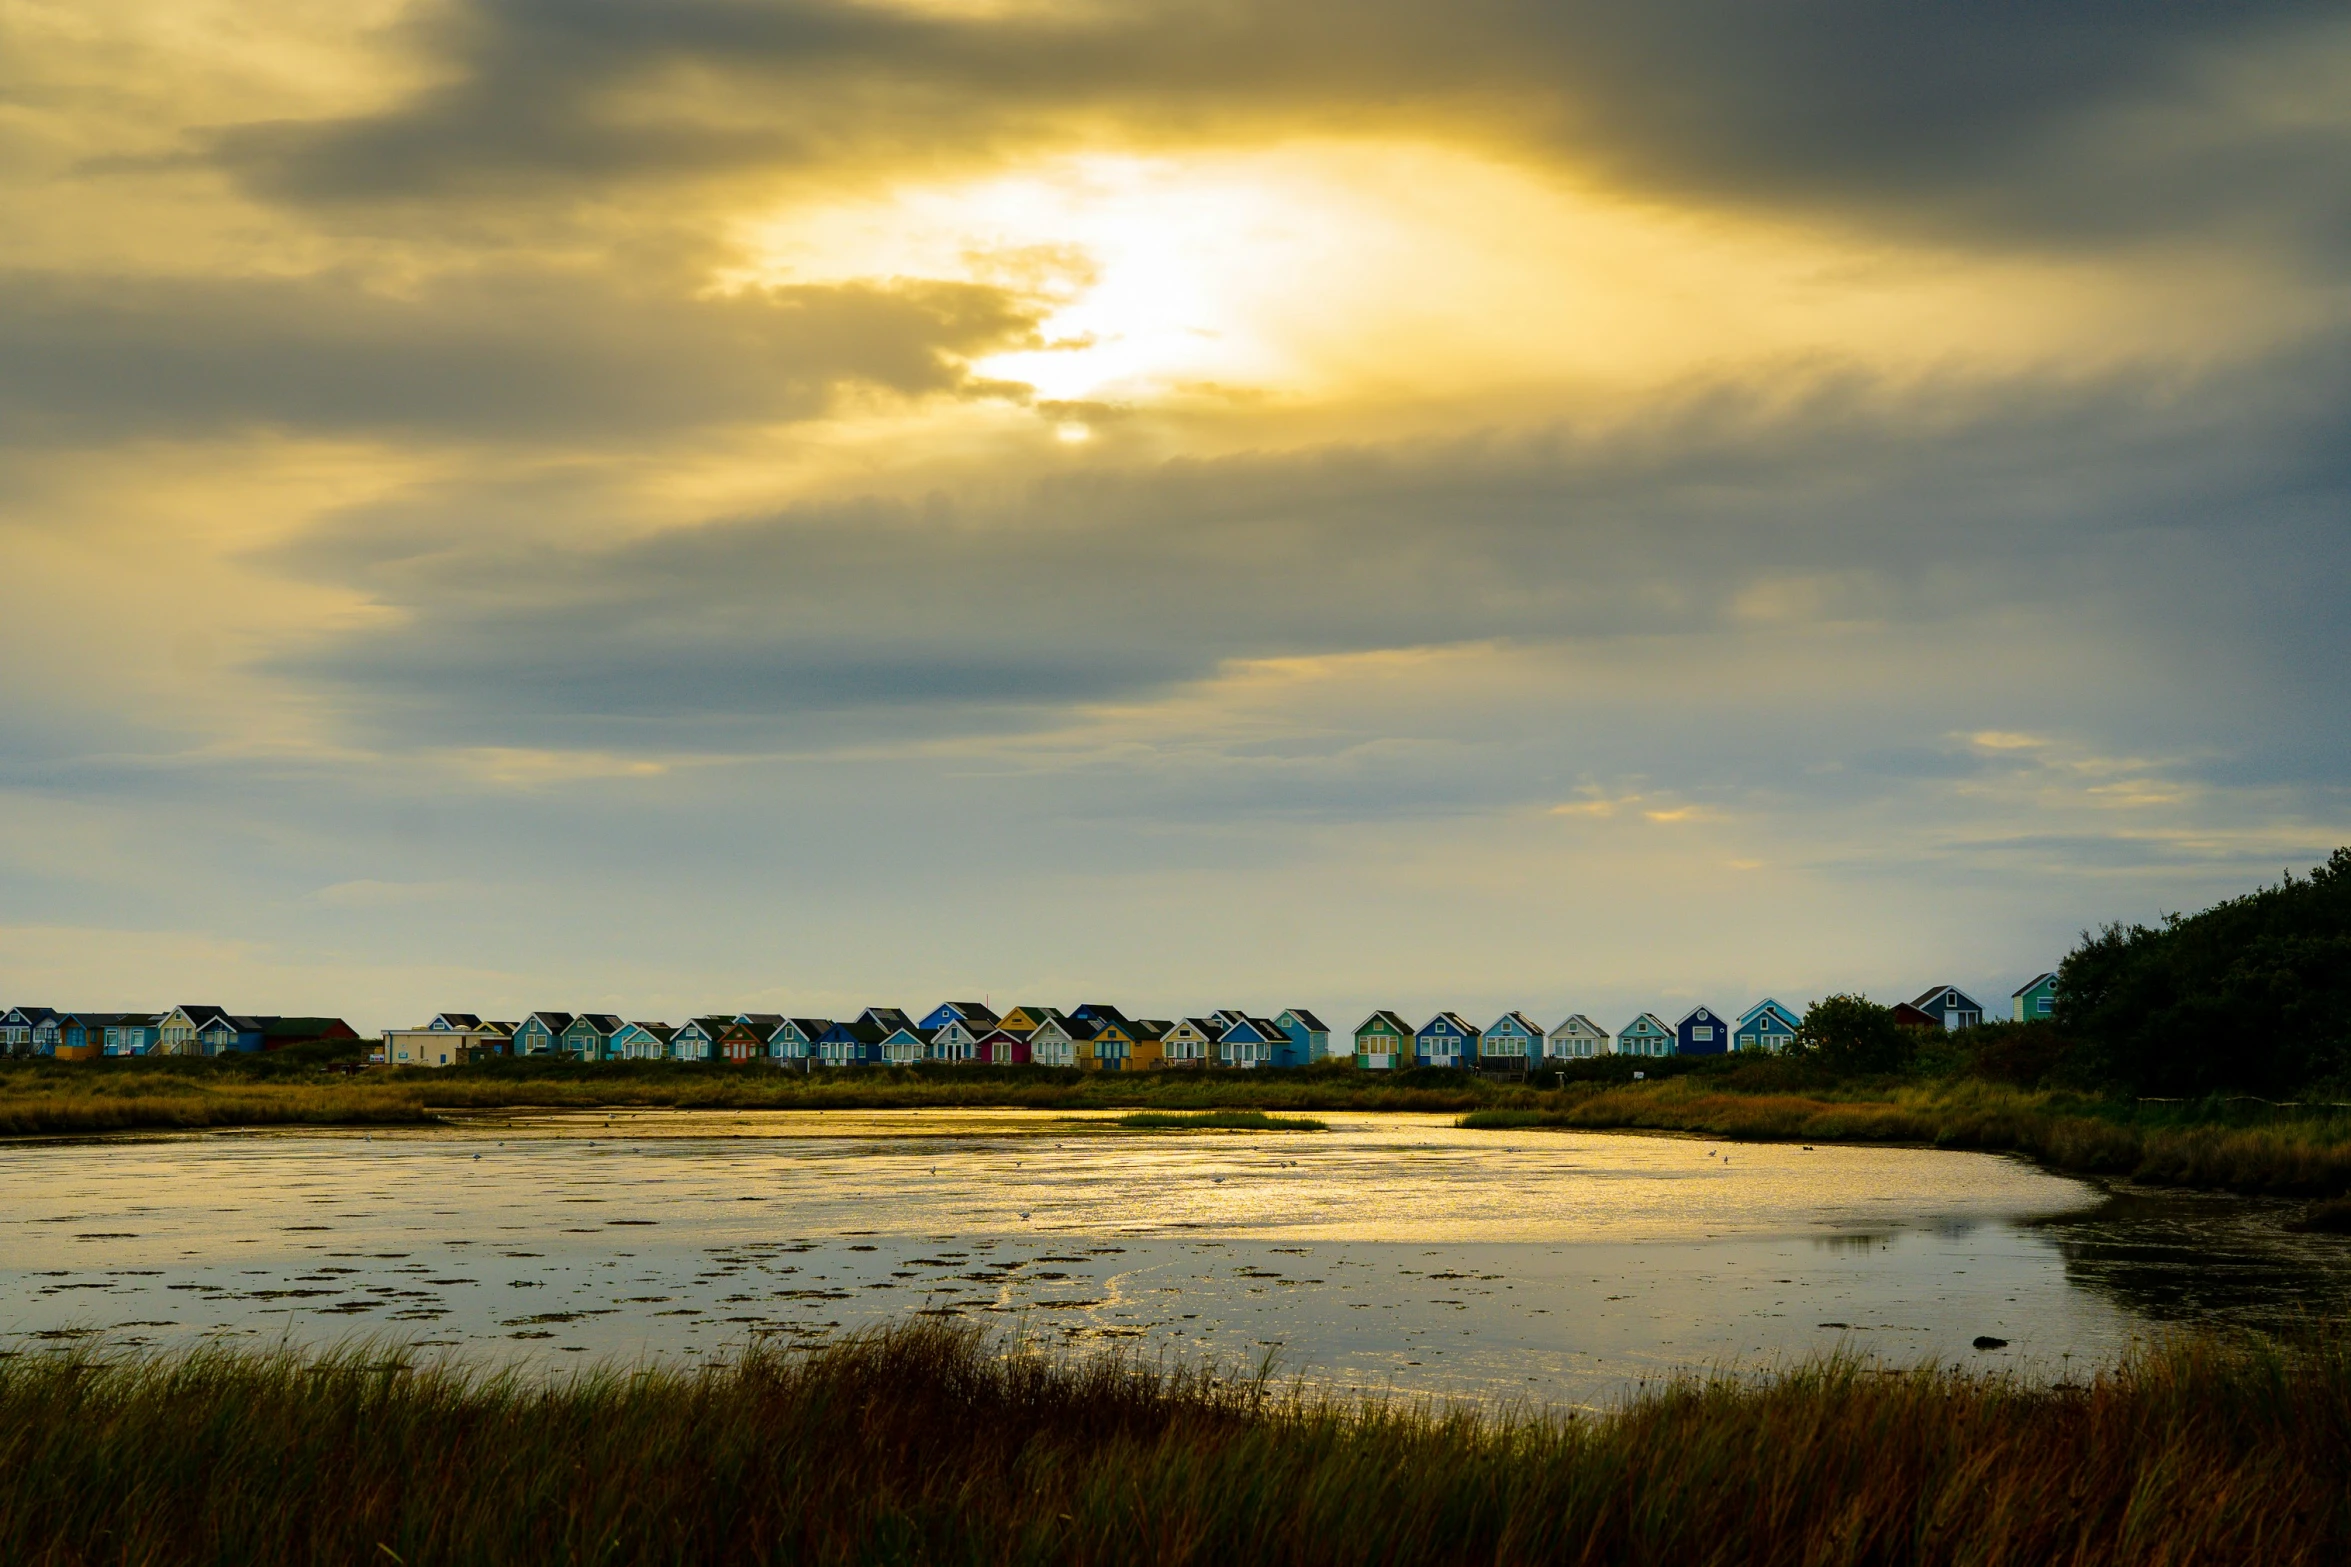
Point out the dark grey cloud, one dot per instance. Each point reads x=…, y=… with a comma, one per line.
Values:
x=2064, y=119
x=2210, y=521
x=492, y=355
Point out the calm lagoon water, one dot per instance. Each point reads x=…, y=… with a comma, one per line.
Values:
x=1393, y=1252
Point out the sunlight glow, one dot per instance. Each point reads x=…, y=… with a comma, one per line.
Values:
x=1170, y=280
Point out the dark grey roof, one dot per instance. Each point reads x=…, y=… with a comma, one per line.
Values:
x=1309, y=1019
x=601, y=1022
x=2036, y=981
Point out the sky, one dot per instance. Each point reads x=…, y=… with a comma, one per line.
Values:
x=801, y=504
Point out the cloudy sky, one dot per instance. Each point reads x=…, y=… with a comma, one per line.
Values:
x=686, y=504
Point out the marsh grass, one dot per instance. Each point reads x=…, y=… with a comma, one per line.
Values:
x=2234, y=1146
x=69, y=1097
x=1219, y=1121
x=933, y=1443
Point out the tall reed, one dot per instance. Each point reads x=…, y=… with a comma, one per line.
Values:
x=930, y=1443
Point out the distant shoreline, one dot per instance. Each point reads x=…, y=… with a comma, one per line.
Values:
x=2234, y=1146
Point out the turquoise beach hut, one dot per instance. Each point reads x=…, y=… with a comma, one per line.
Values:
x=1645, y=1035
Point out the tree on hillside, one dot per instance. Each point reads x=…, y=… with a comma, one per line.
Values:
x=1854, y=1034
x=2253, y=995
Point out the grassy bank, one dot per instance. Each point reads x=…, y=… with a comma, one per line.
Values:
x=75, y=1096
x=69, y=1098
x=923, y=1443
x=2222, y=1145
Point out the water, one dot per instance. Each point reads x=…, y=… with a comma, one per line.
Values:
x=1391, y=1253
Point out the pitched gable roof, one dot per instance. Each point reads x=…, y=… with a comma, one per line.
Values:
x=1313, y=1023
x=1935, y=994
x=1769, y=1006
x=2030, y=985
x=1387, y=1021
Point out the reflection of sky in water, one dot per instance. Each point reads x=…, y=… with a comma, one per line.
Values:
x=1390, y=1251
